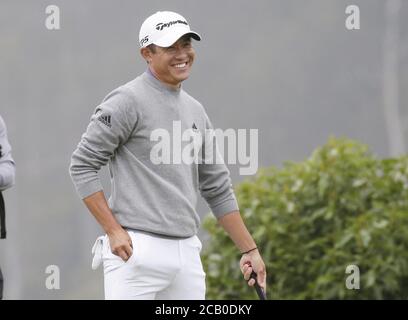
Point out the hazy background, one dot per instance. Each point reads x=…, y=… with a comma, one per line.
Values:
x=289, y=68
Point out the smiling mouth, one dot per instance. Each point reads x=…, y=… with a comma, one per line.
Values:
x=180, y=65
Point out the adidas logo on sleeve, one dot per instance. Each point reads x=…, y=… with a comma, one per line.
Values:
x=106, y=120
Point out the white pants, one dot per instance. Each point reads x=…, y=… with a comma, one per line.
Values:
x=159, y=268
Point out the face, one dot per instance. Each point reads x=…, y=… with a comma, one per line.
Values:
x=172, y=64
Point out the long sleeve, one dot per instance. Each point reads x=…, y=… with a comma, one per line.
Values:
x=7, y=165
x=214, y=177
x=110, y=126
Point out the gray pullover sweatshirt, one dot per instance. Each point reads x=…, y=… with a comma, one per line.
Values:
x=154, y=197
x=7, y=167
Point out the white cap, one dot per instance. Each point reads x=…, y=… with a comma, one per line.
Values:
x=164, y=28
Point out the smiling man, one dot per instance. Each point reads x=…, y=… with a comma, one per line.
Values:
x=151, y=250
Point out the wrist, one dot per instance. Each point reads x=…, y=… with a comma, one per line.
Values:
x=113, y=229
x=254, y=249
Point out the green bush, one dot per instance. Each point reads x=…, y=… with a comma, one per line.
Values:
x=312, y=219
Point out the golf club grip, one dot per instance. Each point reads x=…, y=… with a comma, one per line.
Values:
x=258, y=289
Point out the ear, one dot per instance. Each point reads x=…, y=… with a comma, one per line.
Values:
x=146, y=54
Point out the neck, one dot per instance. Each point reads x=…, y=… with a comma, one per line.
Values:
x=173, y=86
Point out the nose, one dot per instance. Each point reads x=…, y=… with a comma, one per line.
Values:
x=180, y=54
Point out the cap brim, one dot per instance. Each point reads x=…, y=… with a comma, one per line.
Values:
x=171, y=38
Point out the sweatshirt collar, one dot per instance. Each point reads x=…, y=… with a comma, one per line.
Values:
x=160, y=85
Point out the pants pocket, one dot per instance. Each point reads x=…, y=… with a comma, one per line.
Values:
x=198, y=243
x=112, y=261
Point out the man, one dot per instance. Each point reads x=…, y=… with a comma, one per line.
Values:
x=7, y=173
x=151, y=250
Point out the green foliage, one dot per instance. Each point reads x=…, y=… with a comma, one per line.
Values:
x=312, y=219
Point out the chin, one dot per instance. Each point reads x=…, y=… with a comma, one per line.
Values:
x=180, y=78
x=185, y=77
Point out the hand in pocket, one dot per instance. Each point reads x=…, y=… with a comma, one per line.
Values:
x=121, y=244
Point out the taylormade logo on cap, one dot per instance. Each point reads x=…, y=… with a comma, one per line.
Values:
x=164, y=28
x=160, y=26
